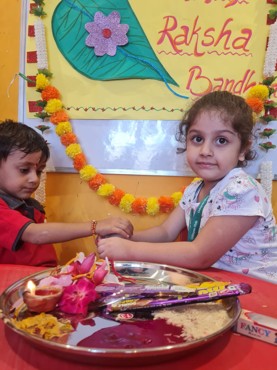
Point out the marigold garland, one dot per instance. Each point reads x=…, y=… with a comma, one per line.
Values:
x=97, y=181
x=256, y=104
x=68, y=138
x=63, y=128
x=53, y=105
x=53, y=111
x=79, y=161
x=139, y=205
x=166, y=204
x=50, y=92
x=88, y=171
x=59, y=116
x=265, y=109
x=41, y=81
x=115, y=198
x=152, y=207
x=126, y=203
x=106, y=190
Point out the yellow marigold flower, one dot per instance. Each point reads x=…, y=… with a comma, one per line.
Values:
x=153, y=206
x=87, y=172
x=105, y=190
x=53, y=105
x=196, y=179
x=41, y=81
x=63, y=128
x=176, y=197
x=73, y=149
x=126, y=203
x=258, y=91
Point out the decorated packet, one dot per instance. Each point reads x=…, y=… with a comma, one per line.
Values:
x=202, y=292
x=158, y=289
x=146, y=290
x=258, y=326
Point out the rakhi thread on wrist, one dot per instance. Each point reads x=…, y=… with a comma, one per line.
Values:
x=93, y=227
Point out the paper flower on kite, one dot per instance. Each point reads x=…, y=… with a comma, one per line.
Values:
x=92, y=37
x=106, y=33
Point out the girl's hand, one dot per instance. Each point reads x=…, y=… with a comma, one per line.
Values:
x=114, y=248
x=115, y=225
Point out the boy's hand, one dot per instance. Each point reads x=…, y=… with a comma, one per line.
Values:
x=115, y=225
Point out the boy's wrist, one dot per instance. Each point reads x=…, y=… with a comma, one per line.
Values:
x=93, y=227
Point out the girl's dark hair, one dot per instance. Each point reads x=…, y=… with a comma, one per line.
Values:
x=18, y=136
x=232, y=108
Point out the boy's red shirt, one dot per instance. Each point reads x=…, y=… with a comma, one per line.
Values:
x=15, y=216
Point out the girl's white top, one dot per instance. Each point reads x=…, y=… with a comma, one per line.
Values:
x=239, y=194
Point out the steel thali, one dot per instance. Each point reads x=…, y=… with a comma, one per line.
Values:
x=87, y=345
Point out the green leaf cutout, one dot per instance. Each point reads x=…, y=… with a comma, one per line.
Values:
x=137, y=59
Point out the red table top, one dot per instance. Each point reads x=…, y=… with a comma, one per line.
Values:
x=230, y=351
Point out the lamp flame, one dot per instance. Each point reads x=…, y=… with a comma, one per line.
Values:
x=31, y=287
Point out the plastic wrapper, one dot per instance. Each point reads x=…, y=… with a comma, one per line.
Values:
x=203, y=292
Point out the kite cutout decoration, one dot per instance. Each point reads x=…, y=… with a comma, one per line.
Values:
x=104, y=41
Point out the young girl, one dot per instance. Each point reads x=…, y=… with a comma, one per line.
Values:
x=24, y=237
x=227, y=213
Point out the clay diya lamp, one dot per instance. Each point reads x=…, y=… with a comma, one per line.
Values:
x=43, y=298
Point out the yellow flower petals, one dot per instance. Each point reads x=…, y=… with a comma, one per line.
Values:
x=176, y=197
x=258, y=91
x=152, y=207
x=63, y=128
x=73, y=149
x=53, y=105
x=44, y=325
x=106, y=190
x=126, y=203
x=87, y=172
x=41, y=81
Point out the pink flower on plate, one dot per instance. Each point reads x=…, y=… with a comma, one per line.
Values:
x=100, y=272
x=106, y=33
x=63, y=280
x=76, y=297
x=82, y=265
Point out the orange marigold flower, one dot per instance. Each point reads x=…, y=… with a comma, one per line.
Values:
x=50, y=92
x=68, y=138
x=96, y=181
x=115, y=198
x=166, y=204
x=139, y=205
x=256, y=104
x=79, y=161
x=59, y=116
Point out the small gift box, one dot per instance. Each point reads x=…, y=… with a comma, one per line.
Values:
x=257, y=326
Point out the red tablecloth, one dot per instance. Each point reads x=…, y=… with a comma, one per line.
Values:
x=229, y=352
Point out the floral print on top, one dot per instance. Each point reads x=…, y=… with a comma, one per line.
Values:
x=239, y=194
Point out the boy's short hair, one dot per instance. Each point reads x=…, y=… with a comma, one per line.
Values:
x=18, y=136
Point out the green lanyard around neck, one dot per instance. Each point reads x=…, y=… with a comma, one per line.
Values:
x=195, y=219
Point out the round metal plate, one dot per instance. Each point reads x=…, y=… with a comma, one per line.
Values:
x=144, y=273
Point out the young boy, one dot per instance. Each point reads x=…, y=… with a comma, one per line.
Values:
x=24, y=236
